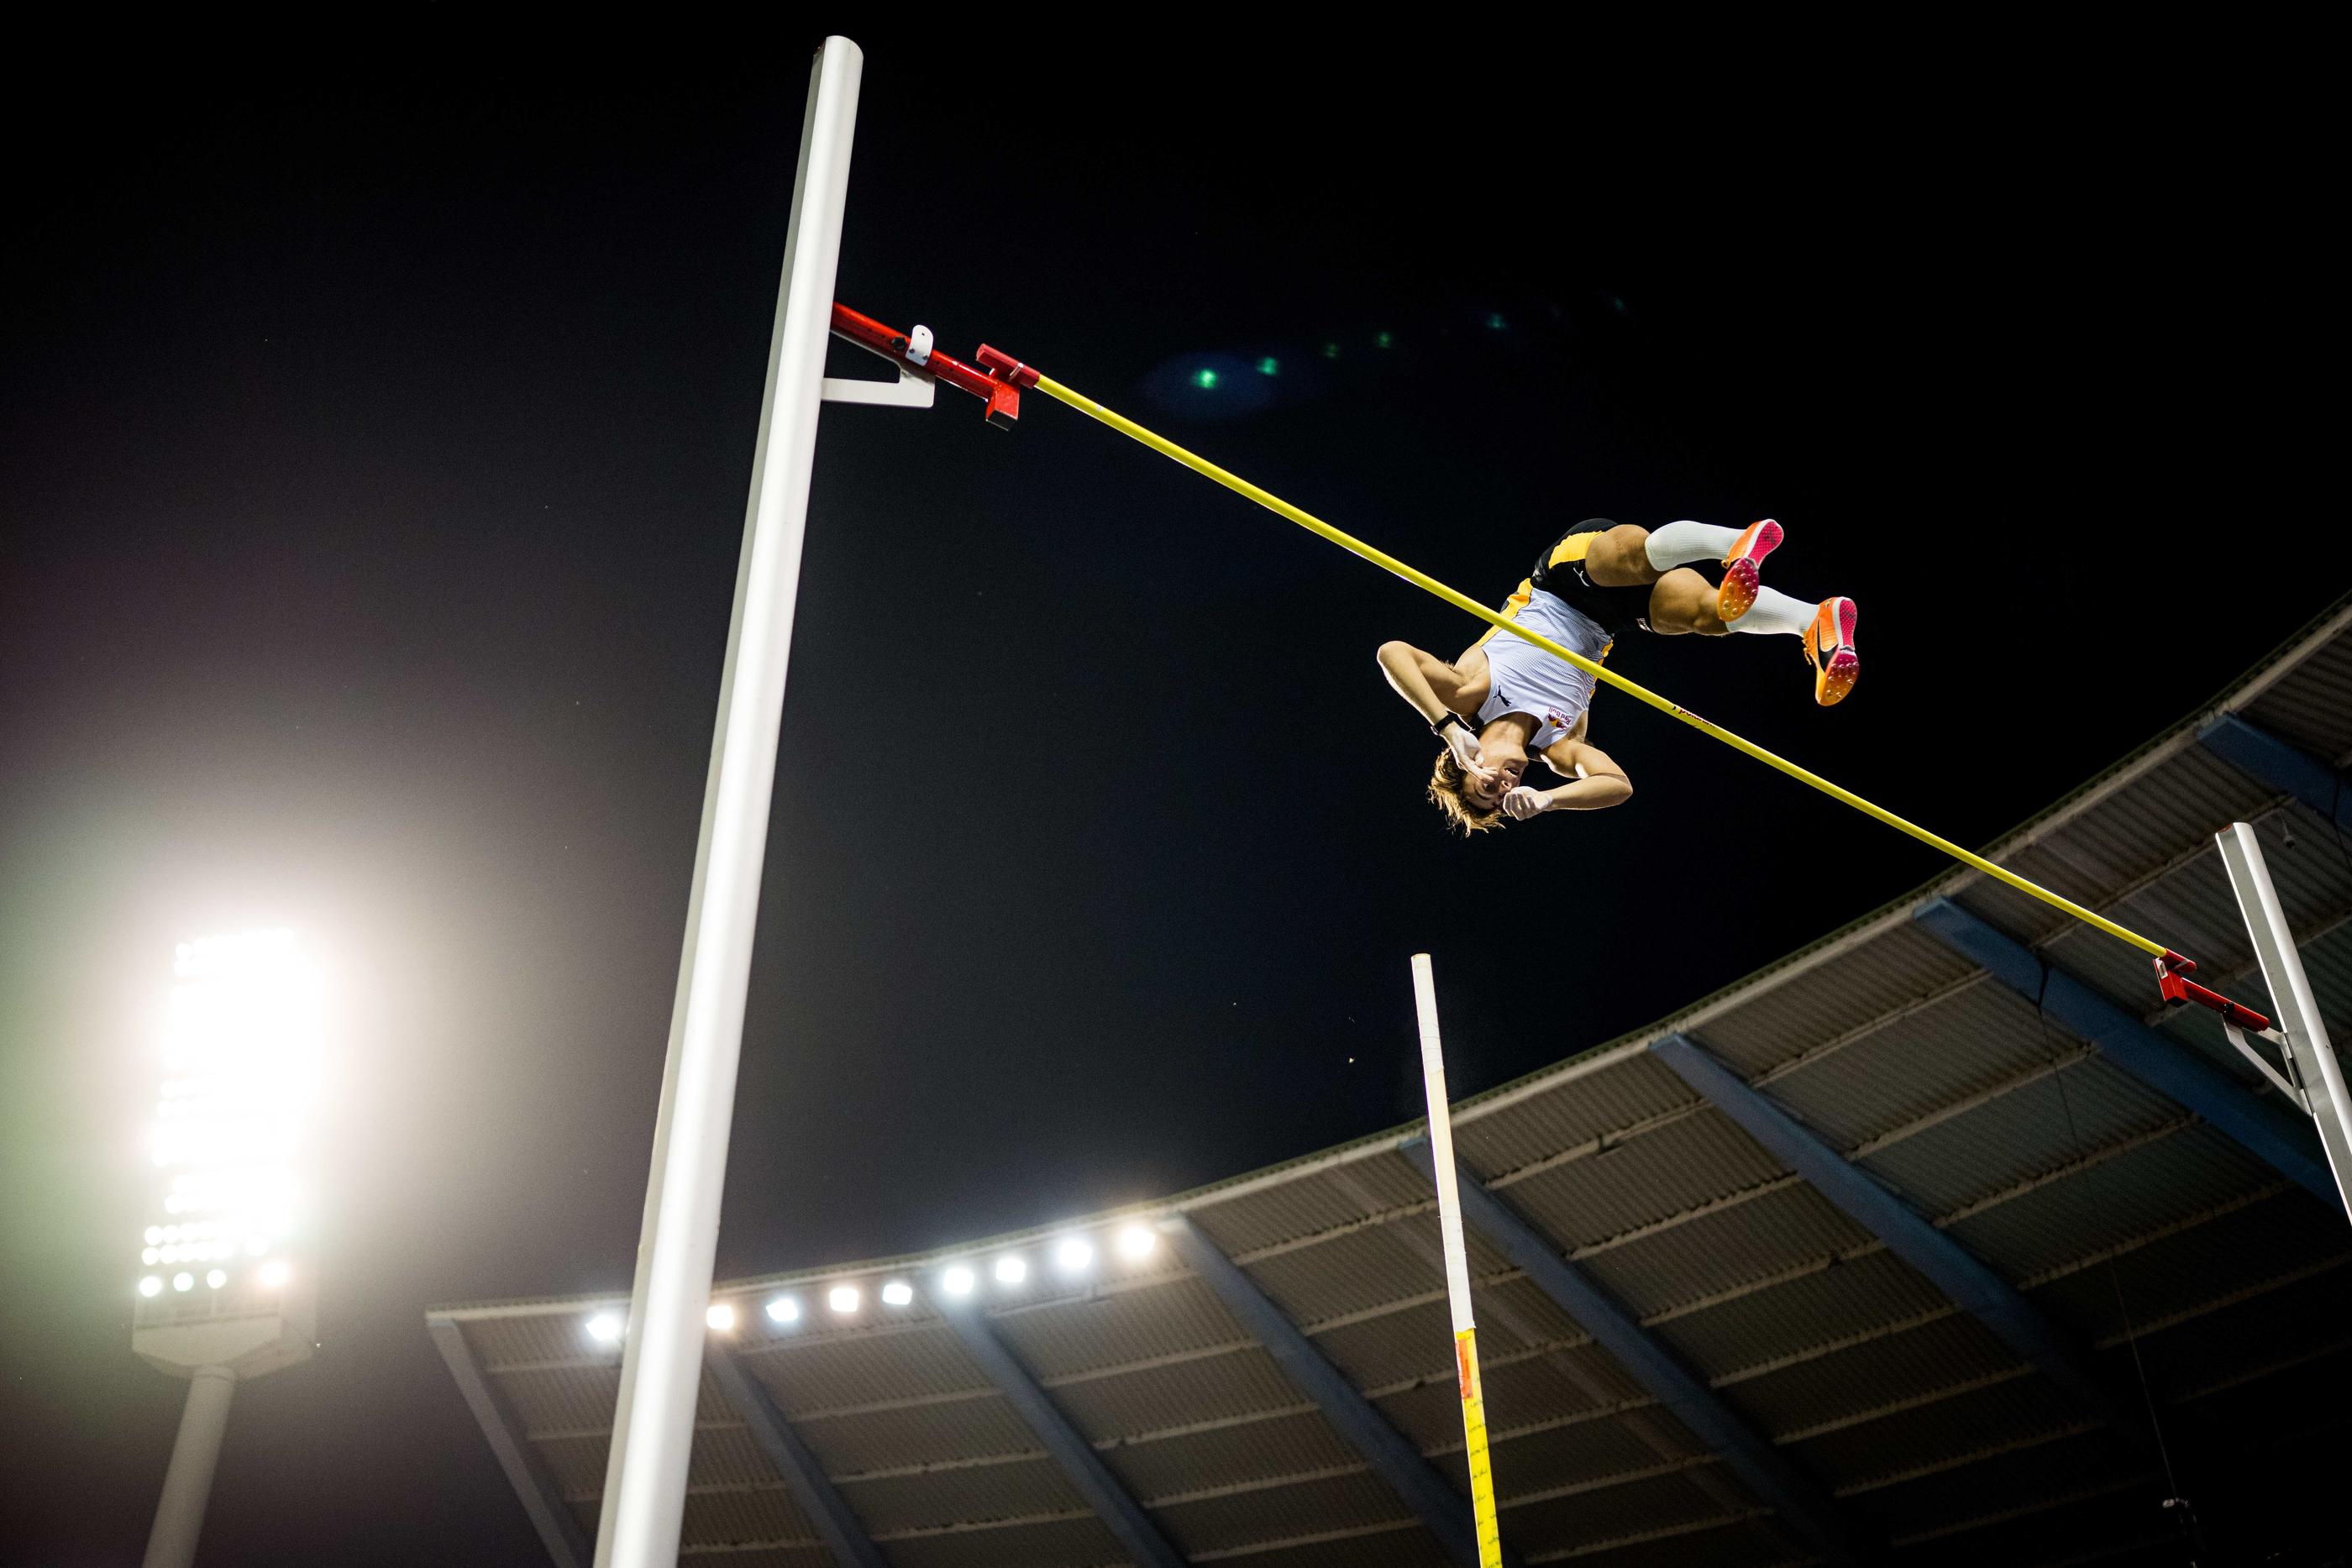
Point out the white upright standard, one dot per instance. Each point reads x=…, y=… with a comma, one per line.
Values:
x=1457, y=1268
x=2313, y=1079
x=226, y=1294
x=661, y=1364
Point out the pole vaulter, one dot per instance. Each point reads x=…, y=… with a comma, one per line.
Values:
x=998, y=379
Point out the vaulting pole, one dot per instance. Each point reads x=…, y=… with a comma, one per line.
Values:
x=1457, y=1268
x=661, y=1362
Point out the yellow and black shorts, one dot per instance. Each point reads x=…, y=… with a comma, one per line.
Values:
x=1559, y=572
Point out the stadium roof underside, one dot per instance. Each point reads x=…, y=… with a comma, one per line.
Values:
x=1710, y=1337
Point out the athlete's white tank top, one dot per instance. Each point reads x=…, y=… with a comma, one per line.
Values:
x=1525, y=679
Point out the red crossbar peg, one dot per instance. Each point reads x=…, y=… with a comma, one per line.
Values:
x=2177, y=990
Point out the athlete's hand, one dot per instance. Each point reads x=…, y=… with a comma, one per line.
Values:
x=1465, y=746
x=1523, y=802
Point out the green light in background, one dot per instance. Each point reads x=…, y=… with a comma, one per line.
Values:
x=1494, y=322
x=1206, y=380
x=1383, y=339
x=1330, y=351
x=1269, y=366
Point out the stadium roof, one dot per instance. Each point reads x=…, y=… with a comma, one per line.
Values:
x=1710, y=1335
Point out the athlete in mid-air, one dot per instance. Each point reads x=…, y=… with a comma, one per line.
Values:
x=1505, y=698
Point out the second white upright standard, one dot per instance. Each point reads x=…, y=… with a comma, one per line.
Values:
x=1457, y=1267
x=661, y=1361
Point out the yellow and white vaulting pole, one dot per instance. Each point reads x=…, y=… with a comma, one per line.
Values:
x=1457, y=1268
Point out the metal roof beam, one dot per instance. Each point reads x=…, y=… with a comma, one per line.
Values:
x=2287, y=768
x=1119, y=1512
x=2266, y=1130
x=1806, y=1508
x=1951, y=1268
x=1444, y=1512
x=560, y=1530
x=842, y=1532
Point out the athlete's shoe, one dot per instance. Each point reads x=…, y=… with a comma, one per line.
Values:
x=1740, y=570
x=1829, y=644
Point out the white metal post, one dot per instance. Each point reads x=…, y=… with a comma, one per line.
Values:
x=661, y=1364
x=188, y=1483
x=1457, y=1265
x=2303, y=1034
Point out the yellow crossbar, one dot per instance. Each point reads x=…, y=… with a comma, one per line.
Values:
x=1429, y=584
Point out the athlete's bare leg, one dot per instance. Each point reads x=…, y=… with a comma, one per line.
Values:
x=1680, y=601
x=1619, y=557
x=1684, y=602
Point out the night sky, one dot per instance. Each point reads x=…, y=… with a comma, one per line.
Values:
x=373, y=442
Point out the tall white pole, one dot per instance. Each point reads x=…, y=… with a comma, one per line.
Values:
x=2308, y=1049
x=661, y=1363
x=188, y=1483
x=1457, y=1267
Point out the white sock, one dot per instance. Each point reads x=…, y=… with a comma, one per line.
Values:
x=1679, y=544
x=1775, y=612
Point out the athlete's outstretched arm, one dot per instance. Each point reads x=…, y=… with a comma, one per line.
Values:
x=1594, y=780
x=1427, y=682
x=1433, y=686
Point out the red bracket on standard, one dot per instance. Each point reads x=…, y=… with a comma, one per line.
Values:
x=2177, y=990
x=913, y=353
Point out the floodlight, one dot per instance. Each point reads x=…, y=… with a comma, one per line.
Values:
x=237, y=1056
x=1137, y=1242
x=720, y=1317
x=898, y=1294
x=843, y=1298
x=605, y=1327
x=1073, y=1253
x=784, y=1310
x=1011, y=1269
x=958, y=1280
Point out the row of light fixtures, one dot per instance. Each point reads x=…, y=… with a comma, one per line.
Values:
x=272, y=1274
x=1072, y=1255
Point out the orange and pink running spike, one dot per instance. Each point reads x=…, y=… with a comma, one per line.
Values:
x=1742, y=569
x=1829, y=643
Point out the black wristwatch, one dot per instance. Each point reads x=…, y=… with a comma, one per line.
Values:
x=1437, y=727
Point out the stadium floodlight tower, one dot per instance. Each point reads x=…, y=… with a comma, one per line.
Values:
x=224, y=1295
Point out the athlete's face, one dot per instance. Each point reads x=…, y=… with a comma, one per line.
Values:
x=1486, y=788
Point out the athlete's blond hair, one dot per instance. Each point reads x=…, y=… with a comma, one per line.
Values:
x=1463, y=815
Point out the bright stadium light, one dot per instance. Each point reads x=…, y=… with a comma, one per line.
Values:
x=1137, y=1242
x=784, y=1310
x=604, y=1328
x=1012, y=1269
x=898, y=1294
x=720, y=1317
x=1072, y=1254
x=958, y=1280
x=238, y=1056
x=843, y=1298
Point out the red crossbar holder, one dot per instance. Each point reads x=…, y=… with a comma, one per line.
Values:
x=1000, y=391
x=2172, y=983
